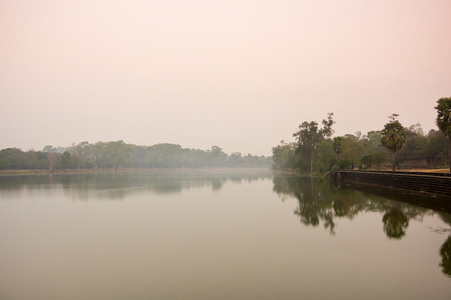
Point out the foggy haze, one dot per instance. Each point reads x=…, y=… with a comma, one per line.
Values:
x=241, y=75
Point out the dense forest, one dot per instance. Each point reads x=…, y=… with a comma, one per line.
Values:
x=393, y=146
x=117, y=154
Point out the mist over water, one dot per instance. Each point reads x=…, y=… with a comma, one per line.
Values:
x=246, y=234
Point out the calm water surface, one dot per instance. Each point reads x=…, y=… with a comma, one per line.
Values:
x=215, y=235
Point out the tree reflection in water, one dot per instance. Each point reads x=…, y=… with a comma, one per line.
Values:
x=117, y=186
x=319, y=202
x=445, y=253
x=395, y=223
x=445, y=249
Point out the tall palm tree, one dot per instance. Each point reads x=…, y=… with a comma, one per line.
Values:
x=444, y=121
x=393, y=137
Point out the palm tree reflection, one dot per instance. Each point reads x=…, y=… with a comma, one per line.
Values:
x=445, y=253
x=395, y=223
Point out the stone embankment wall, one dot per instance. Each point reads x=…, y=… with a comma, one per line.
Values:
x=438, y=184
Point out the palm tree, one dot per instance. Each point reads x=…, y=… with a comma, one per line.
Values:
x=444, y=121
x=393, y=137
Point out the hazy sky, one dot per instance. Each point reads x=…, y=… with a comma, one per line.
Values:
x=238, y=74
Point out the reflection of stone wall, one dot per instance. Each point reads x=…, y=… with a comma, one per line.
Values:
x=426, y=183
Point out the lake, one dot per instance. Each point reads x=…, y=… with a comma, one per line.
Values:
x=215, y=234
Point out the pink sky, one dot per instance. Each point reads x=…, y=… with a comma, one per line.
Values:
x=238, y=74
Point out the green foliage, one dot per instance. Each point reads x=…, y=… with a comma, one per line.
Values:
x=416, y=144
x=327, y=130
x=118, y=155
x=13, y=158
x=283, y=156
x=393, y=137
x=437, y=149
x=344, y=164
x=337, y=146
x=326, y=157
x=165, y=156
x=218, y=157
x=409, y=147
x=352, y=150
x=307, y=138
x=66, y=160
x=49, y=148
x=79, y=154
x=374, y=160
x=444, y=116
x=444, y=121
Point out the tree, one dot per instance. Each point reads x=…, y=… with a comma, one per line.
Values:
x=374, y=159
x=327, y=130
x=416, y=141
x=337, y=146
x=444, y=121
x=235, y=159
x=393, y=137
x=218, y=156
x=437, y=148
x=283, y=156
x=352, y=150
x=49, y=148
x=326, y=157
x=66, y=160
x=374, y=140
x=52, y=158
x=309, y=135
x=165, y=156
x=31, y=158
x=415, y=130
x=117, y=154
x=79, y=153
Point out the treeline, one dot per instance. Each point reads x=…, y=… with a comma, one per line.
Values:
x=394, y=146
x=117, y=154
